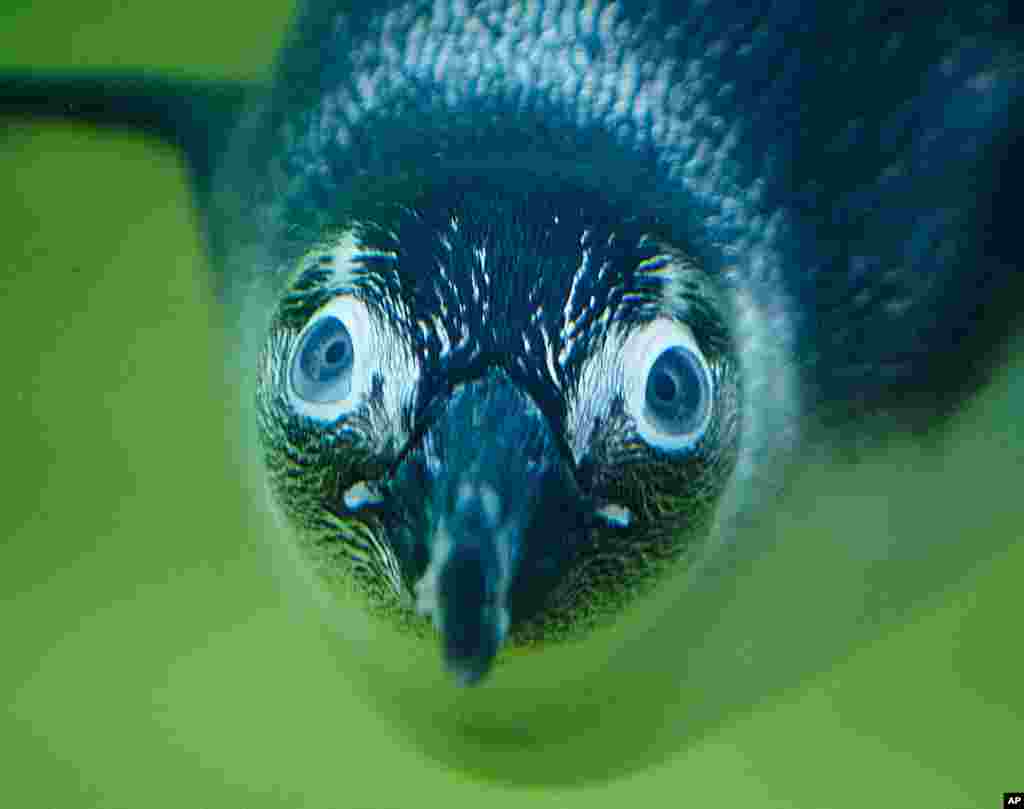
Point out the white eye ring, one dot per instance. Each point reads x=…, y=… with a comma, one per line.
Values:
x=362, y=337
x=668, y=385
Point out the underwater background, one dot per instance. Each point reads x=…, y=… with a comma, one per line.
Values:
x=158, y=652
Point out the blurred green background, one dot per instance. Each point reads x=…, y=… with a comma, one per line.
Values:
x=155, y=653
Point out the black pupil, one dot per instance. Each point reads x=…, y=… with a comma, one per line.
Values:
x=664, y=386
x=336, y=352
x=677, y=391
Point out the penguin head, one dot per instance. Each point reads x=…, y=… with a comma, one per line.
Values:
x=500, y=407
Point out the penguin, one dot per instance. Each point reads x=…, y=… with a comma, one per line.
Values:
x=551, y=294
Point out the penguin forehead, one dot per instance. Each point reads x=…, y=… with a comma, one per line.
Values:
x=529, y=283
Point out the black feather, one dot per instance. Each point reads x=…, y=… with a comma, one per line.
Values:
x=851, y=159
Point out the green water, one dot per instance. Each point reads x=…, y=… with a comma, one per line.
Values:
x=159, y=652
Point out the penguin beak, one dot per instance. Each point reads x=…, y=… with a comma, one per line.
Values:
x=465, y=588
x=500, y=507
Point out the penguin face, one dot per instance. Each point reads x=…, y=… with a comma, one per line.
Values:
x=506, y=411
x=566, y=292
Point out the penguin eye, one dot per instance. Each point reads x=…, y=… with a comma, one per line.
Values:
x=332, y=364
x=669, y=387
x=322, y=370
x=677, y=393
